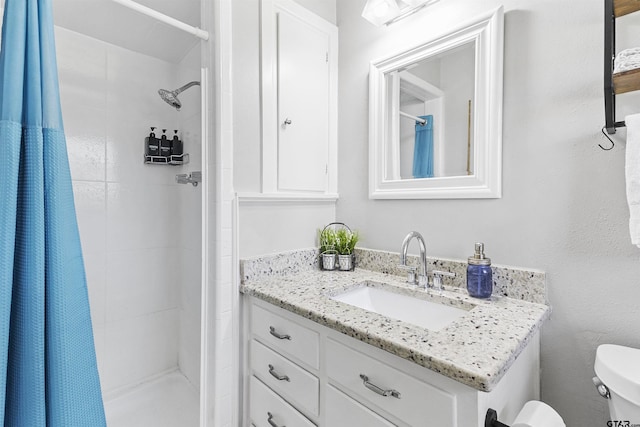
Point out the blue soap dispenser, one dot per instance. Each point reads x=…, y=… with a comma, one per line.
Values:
x=479, y=278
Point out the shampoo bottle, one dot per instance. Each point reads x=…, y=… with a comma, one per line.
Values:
x=479, y=278
x=165, y=145
x=176, y=146
x=151, y=144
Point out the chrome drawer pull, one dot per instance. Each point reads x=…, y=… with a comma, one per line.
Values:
x=273, y=332
x=374, y=388
x=271, y=422
x=276, y=375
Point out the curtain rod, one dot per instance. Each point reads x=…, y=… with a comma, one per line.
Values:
x=204, y=35
x=417, y=119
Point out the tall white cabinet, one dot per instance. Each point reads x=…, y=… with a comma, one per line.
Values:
x=299, y=100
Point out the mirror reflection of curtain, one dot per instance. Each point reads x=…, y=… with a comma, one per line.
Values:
x=423, y=149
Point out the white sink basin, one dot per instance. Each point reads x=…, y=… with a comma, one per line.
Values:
x=429, y=315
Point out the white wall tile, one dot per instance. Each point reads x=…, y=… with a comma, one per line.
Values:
x=130, y=215
x=82, y=70
x=140, y=216
x=99, y=340
x=189, y=345
x=85, y=131
x=139, y=348
x=133, y=83
x=190, y=213
x=95, y=269
x=90, y=202
x=142, y=282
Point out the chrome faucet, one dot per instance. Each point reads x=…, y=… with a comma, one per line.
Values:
x=421, y=280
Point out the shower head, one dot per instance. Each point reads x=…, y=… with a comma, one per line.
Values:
x=171, y=96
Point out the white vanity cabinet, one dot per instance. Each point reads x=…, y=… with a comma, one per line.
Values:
x=300, y=373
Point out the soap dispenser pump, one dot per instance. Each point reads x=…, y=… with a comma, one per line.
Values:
x=479, y=277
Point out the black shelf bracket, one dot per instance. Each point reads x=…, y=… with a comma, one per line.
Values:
x=609, y=56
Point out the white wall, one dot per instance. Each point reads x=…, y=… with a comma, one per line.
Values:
x=563, y=208
x=458, y=83
x=127, y=211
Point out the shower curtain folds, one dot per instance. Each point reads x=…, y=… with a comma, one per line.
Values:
x=48, y=371
x=423, y=148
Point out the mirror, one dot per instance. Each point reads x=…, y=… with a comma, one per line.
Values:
x=435, y=116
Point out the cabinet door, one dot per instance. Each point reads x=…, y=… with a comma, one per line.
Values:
x=286, y=378
x=286, y=336
x=343, y=411
x=270, y=410
x=303, y=105
x=410, y=400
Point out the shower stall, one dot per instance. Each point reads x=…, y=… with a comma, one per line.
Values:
x=140, y=229
x=158, y=252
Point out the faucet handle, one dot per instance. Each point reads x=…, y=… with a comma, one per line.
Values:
x=437, y=278
x=411, y=272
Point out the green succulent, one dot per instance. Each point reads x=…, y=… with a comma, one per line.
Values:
x=327, y=239
x=346, y=241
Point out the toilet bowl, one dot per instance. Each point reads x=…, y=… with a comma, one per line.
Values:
x=618, y=380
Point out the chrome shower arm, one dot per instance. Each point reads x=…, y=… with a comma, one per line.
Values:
x=185, y=87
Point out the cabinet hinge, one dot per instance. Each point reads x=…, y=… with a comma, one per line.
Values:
x=327, y=57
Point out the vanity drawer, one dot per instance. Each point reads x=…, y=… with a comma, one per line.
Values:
x=416, y=403
x=285, y=336
x=343, y=411
x=269, y=409
x=286, y=378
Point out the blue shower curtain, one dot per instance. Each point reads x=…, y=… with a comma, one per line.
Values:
x=48, y=371
x=423, y=149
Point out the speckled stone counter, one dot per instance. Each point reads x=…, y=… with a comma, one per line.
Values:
x=476, y=350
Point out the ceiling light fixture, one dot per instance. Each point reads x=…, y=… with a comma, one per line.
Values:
x=386, y=12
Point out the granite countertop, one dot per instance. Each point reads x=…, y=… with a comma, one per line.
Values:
x=476, y=349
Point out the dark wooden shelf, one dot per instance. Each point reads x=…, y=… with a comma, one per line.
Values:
x=624, y=7
x=626, y=81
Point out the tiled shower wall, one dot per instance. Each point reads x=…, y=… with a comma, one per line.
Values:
x=190, y=214
x=129, y=213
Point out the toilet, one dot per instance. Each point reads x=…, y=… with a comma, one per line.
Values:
x=618, y=380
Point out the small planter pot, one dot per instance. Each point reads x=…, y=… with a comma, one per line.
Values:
x=345, y=262
x=329, y=261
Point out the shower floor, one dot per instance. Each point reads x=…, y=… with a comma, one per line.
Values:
x=169, y=401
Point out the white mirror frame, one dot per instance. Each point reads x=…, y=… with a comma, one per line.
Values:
x=487, y=31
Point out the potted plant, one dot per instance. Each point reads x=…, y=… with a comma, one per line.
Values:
x=328, y=252
x=345, y=243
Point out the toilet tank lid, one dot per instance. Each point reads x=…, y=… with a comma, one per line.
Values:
x=619, y=369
